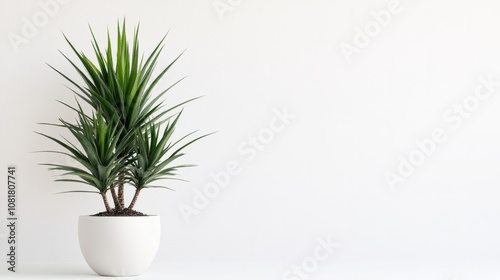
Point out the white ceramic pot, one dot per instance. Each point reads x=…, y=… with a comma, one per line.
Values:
x=119, y=246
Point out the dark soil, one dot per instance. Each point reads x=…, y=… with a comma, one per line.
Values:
x=120, y=213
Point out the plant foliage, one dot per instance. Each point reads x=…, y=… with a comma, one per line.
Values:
x=121, y=140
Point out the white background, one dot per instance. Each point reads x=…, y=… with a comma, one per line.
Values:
x=323, y=174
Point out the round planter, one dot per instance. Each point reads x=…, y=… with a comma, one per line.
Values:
x=119, y=246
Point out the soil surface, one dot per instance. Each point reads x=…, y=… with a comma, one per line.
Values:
x=122, y=213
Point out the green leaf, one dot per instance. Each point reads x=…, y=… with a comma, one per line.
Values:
x=119, y=139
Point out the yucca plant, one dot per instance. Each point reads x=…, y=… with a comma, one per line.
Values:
x=99, y=154
x=120, y=141
x=150, y=161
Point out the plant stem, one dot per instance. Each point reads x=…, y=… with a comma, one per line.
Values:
x=136, y=195
x=115, y=197
x=121, y=196
x=106, y=203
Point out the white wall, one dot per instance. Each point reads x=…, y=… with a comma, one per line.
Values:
x=323, y=173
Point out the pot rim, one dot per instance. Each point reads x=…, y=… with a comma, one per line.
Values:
x=92, y=216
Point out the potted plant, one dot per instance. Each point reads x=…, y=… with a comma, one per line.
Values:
x=126, y=138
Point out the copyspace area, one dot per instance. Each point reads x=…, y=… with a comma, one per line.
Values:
x=355, y=139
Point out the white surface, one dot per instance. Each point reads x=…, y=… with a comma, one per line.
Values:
x=322, y=173
x=274, y=271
